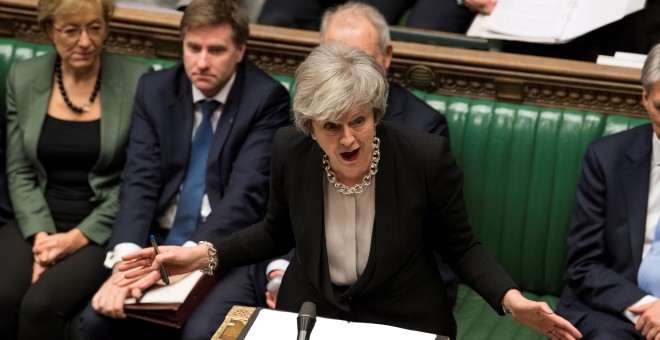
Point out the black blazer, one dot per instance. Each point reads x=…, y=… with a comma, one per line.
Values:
x=419, y=208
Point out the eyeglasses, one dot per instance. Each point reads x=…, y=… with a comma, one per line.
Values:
x=73, y=33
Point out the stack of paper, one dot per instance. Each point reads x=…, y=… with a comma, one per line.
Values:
x=550, y=21
x=622, y=59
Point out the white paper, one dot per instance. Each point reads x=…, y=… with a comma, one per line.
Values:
x=530, y=18
x=613, y=61
x=174, y=293
x=630, y=56
x=279, y=325
x=548, y=21
x=635, y=5
x=479, y=28
x=588, y=15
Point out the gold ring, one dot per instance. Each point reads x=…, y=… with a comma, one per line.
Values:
x=554, y=330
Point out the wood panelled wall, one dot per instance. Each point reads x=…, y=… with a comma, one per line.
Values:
x=448, y=71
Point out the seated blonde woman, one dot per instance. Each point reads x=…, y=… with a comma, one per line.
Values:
x=68, y=116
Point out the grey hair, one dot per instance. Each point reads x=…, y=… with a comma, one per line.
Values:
x=334, y=79
x=651, y=69
x=369, y=12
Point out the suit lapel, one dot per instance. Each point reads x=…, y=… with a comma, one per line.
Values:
x=228, y=116
x=635, y=177
x=177, y=142
x=394, y=105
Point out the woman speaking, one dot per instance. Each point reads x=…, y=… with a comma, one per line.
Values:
x=364, y=203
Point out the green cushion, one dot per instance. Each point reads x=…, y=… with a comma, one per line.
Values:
x=11, y=50
x=616, y=124
x=521, y=165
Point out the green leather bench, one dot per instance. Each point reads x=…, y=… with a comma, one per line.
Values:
x=521, y=167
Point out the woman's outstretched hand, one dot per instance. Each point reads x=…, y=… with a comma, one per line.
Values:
x=539, y=316
x=143, y=264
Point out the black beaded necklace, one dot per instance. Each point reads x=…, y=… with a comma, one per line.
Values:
x=60, y=84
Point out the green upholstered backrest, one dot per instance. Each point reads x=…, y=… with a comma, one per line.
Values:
x=11, y=50
x=521, y=166
x=616, y=124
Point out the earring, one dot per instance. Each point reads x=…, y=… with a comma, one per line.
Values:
x=313, y=137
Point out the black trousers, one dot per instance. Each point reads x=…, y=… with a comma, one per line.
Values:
x=41, y=310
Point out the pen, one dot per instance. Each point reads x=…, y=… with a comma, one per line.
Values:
x=163, y=272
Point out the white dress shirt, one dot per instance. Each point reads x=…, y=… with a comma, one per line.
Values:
x=349, y=222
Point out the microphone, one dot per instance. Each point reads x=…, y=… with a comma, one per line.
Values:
x=306, y=320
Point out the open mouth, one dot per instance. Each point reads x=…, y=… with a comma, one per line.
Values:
x=351, y=155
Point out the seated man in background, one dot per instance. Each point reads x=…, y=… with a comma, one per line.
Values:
x=360, y=25
x=612, y=277
x=198, y=165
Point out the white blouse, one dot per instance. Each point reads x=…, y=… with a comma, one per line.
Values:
x=349, y=222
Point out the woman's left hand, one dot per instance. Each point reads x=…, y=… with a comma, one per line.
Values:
x=539, y=316
x=49, y=249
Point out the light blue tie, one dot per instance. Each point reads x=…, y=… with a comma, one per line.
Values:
x=648, y=276
x=194, y=184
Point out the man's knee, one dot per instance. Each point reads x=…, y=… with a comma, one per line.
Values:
x=598, y=325
x=198, y=329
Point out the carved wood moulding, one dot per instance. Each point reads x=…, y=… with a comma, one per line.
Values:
x=234, y=323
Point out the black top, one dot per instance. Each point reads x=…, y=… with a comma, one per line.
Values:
x=68, y=150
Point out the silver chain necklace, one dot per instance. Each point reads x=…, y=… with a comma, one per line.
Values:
x=366, y=181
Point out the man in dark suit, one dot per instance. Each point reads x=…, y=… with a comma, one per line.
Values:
x=613, y=228
x=170, y=113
